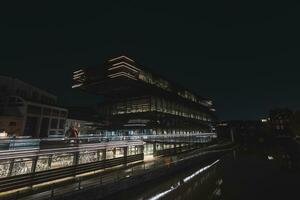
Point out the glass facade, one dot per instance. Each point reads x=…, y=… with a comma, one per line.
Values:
x=153, y=104
x=131, y=92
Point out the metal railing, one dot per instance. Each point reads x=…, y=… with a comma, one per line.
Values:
x=15, y=182
x=95, y=138
x=33, y=152
x=83, y=183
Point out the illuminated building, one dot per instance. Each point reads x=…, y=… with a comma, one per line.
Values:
x=138, y=101
x=26, y=110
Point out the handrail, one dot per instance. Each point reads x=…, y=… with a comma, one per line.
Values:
x=83, y=137
x=26, y=153
x=19, y=181
x=100, y=178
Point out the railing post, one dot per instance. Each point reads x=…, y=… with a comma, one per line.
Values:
x=100, y=179
x=125, y=149
x=79, y=183
x=76, y=158
x=11, y=166
x=98, y=155
x=52, y=191
x=34, y=163
x=17, y=195
x=104, y=154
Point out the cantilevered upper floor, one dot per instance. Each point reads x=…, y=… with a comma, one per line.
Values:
x=123, y=75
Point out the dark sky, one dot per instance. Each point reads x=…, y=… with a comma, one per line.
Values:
x=242, y=54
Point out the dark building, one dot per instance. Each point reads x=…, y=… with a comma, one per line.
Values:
x=241, y=130
x=26, y=110
x=280, y=121
x=138, y=101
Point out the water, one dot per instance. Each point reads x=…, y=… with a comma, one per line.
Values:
x=245, y=173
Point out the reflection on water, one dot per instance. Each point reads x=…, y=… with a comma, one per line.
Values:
x=181, y=182
x=242, y=174
x=181, y=186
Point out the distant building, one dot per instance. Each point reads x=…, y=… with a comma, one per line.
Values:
x=85, y=120
x=26, y=110
x=280, y=121
x=138, y=101
x=240, y=130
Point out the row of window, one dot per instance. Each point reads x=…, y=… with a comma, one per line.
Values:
x=46, y=111
x=27, y=93
x=154, y=104
x=148, y=78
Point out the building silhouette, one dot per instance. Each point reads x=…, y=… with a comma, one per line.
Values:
x=26, y=110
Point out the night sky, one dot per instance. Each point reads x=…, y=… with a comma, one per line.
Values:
x=242, y=54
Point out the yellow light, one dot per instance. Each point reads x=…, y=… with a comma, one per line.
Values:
x=3, y=134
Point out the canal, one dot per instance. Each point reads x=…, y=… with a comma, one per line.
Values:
x=244, y=173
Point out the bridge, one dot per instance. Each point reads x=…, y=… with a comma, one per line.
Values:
x=28, y=164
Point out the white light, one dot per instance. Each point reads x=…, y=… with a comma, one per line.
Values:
x=270, y=158
x=264, y=120
x=76, y=75
x=158, y=196
x=164, y=193
x=120, y=66
x=121, y=74
x=77, y=85
x=120, y=58
x=125, y=63
x=80, y=79
x=80, y=70
x=199, y=171
x=3, y=134
x=124, y=75
x=223, y=124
